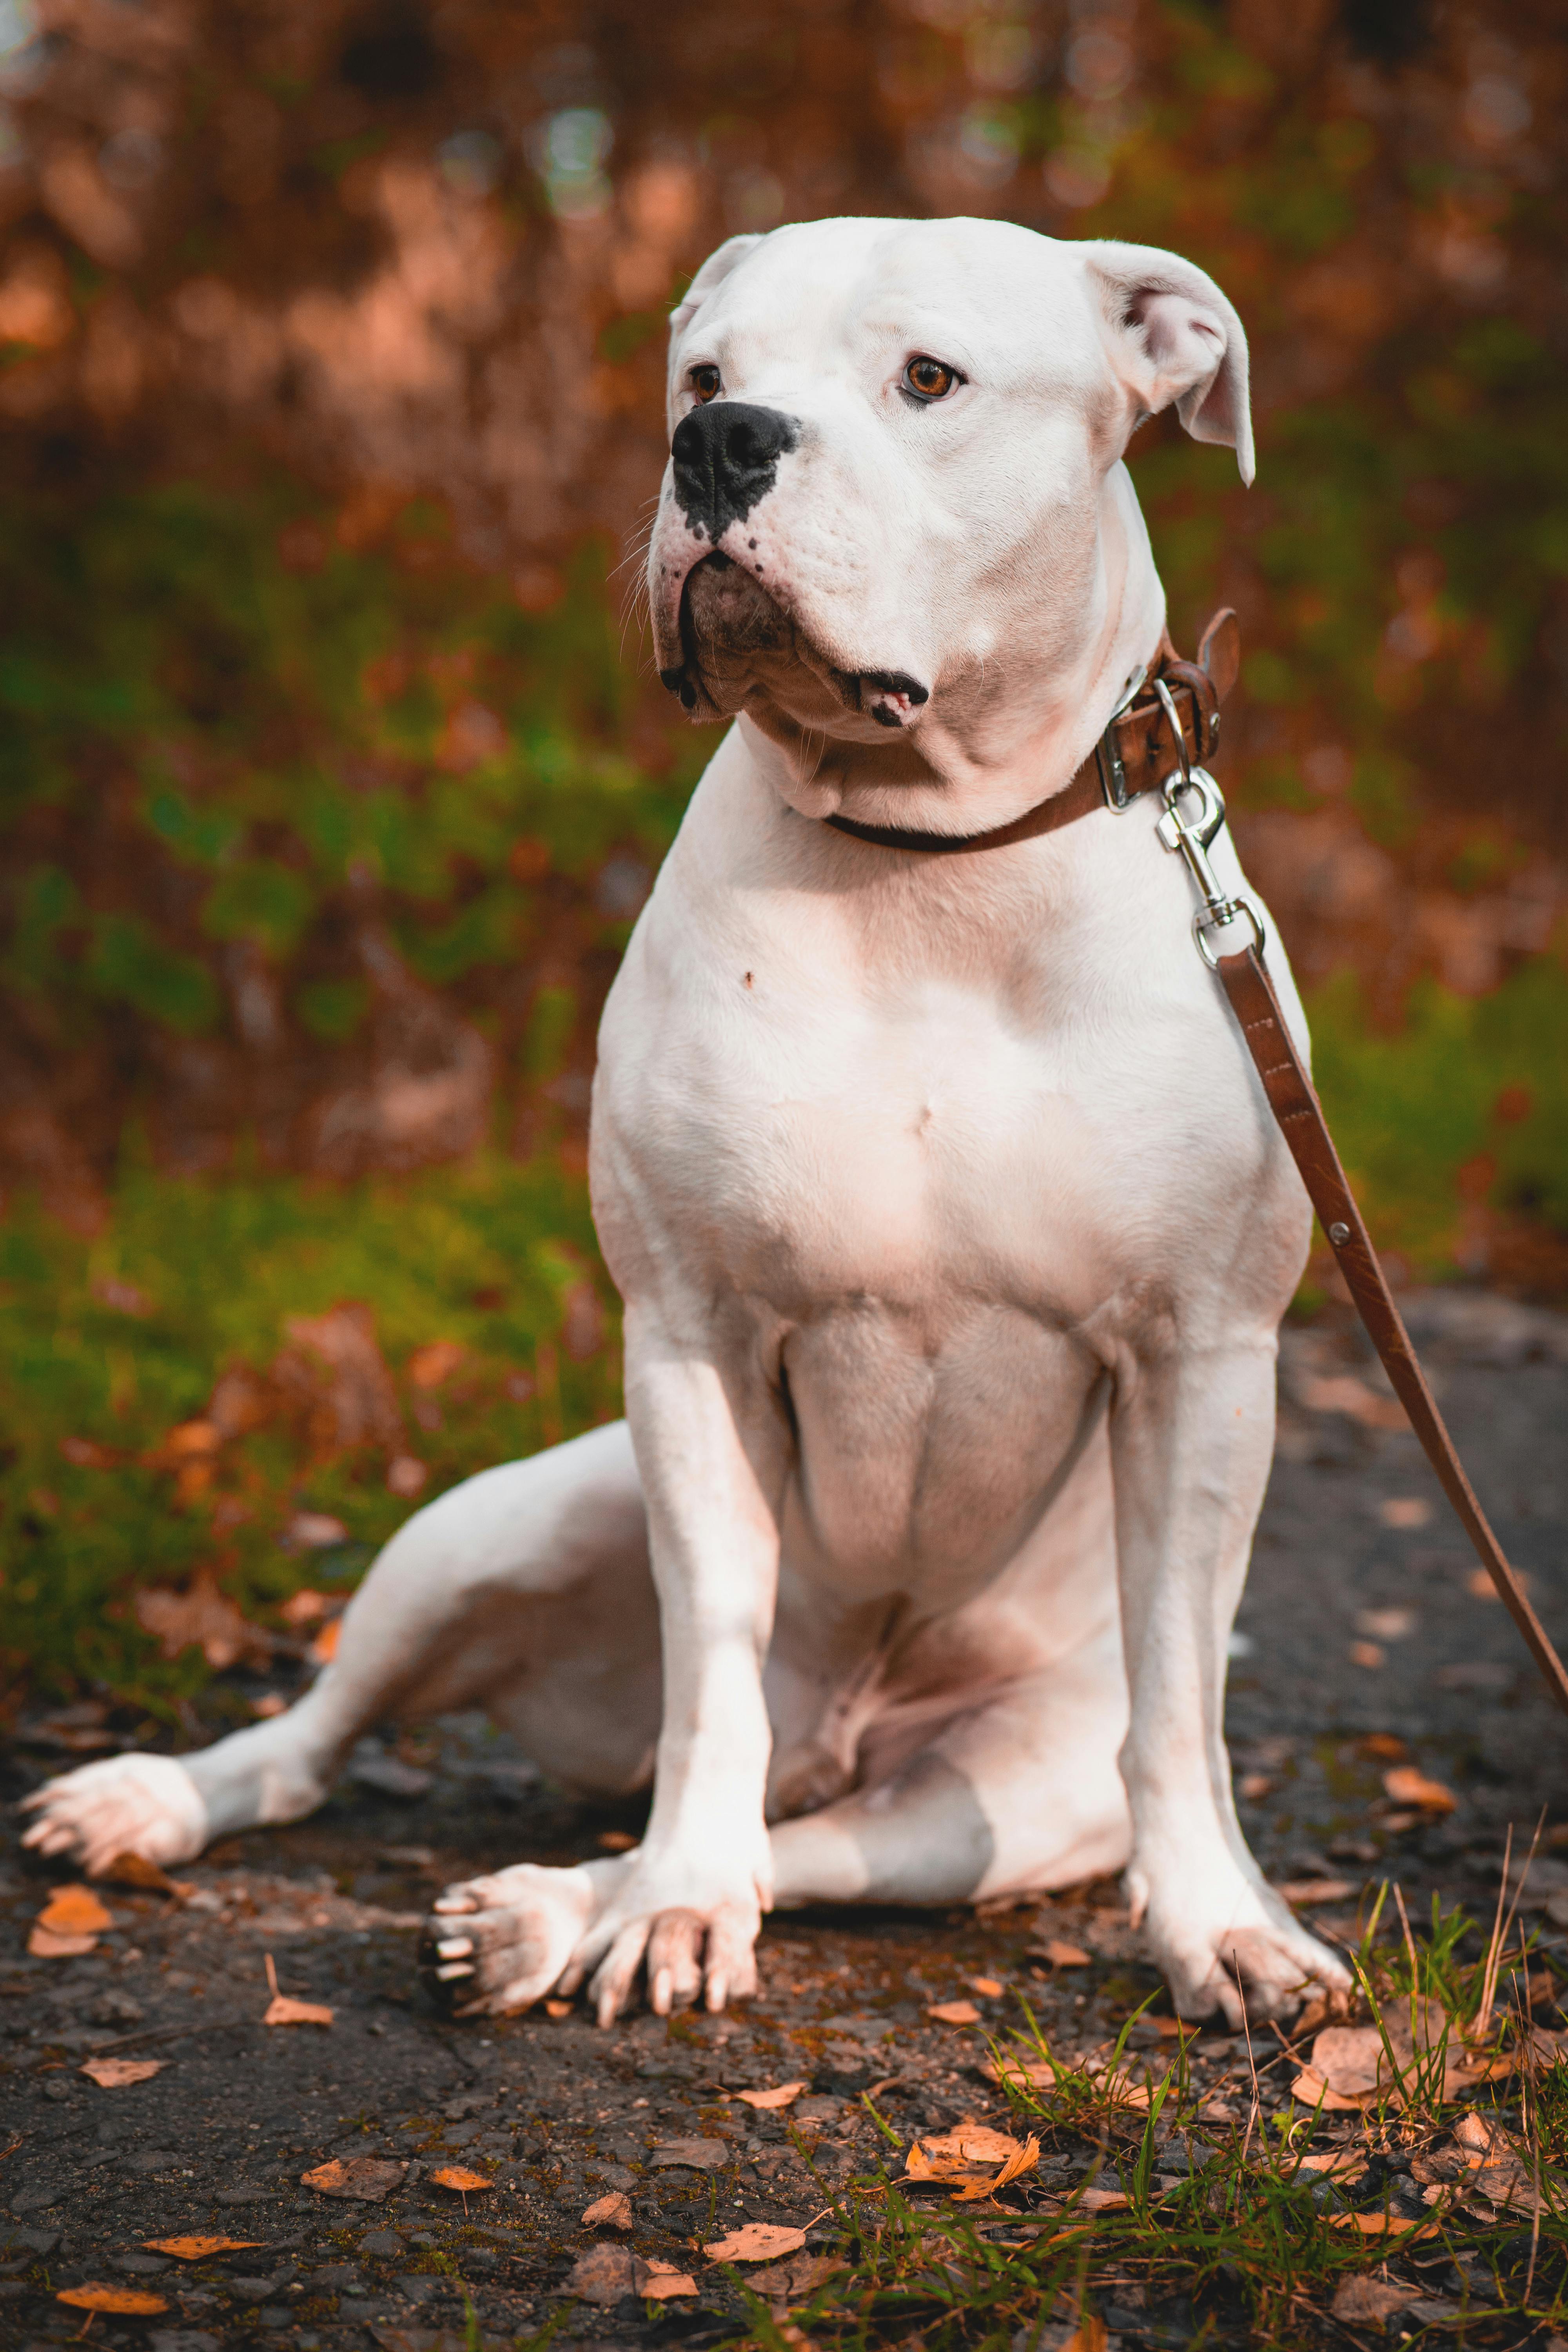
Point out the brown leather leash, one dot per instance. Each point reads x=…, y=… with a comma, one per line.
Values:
x=1182, y=702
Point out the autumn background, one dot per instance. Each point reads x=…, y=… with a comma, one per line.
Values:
x=333, y=768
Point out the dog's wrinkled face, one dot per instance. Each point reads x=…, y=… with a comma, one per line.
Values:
x=894, y=516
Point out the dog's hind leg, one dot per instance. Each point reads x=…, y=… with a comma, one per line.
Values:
x=525, y=1589
x=1022, y=1791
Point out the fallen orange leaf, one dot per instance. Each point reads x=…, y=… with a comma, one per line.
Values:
x=135, y=1870
x=783, y=2095
x=1383, y=2225
x=197, y=2250
x=759, y=2242
x=967, y=2160
x=611, y=2212
x=367, y=2178
x=1409, y=1786
x=205, y=1619
x=45, y=1946
x=1063, y=1955
x=128, y=2299
x=430, y=1365
x=954, y=2012
x=557, y=2009
x=114, y=2074
x=324, y=1648
x=75, y=1911
x=660, y=2281
x=281, y=2011
x=459, y=2176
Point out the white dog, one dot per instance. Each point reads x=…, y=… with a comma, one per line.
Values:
x=952, y=1222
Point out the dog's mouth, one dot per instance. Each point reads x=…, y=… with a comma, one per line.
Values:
x=742, y=649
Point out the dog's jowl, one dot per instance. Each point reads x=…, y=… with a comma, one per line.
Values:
x=952, y=1226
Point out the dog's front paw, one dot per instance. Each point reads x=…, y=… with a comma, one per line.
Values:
x=1241, y=1950
x=146, y=1805
x=501, y=1943
x=695, y=1941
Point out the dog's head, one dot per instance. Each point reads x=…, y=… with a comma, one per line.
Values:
x=894, y=530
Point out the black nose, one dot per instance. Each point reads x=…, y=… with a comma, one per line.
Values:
x=726, y=457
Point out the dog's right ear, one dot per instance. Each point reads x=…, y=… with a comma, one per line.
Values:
x=711, y=275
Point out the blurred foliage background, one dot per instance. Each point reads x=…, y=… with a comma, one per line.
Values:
x=332, y=771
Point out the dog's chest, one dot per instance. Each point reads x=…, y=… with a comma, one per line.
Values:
x=819, y=1149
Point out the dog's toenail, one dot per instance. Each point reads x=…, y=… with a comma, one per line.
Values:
x=453, y=1969
x=456, y=1948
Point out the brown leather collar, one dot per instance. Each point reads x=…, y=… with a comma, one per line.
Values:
x=1134, y=755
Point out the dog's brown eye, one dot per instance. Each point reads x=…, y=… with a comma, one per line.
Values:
x=704, y=382
x=931, y=379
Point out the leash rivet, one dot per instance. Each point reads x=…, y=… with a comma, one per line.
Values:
x=1339, y=1236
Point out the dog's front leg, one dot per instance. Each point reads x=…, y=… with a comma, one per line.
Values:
x=1192, y=1437
x=712, y=1451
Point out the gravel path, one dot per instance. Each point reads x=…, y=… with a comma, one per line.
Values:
x=1363, y=1650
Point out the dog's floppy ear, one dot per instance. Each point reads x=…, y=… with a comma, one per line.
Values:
x=1173, y=337
x=712, y=274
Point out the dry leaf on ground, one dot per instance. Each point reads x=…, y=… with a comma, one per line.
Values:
x=459, y=2176
x=135, y=1870
x=759, y=2242
x=1349, y=2068
x=1409, y=1786
x=557, y=2008
x=987, y=1987
x=334, y=1378
x=1371, y=2299
x=129, y=2301
x=430, y=1365
x=1041, y=2074
x=281, y=2011
x=611, y=2212
x=114, y=2074
x=795, y=2279
x=701, y=2155
x=604, y=2274
x=1060, y=1955
x=75, y=1911
x=954, y=2012
x=367, y=2178
x=197, y=2250
x=1103, y=2200
x=972, y=2161
x=783, y=2095
x=43, y=1945
x=662, y=2282
x=205, y=1619
x=1305, y=1891
x=1381, y=2225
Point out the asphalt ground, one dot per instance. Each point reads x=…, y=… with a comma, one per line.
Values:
x=1363, y=1650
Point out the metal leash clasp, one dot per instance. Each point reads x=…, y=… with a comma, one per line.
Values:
x=1192, y=839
